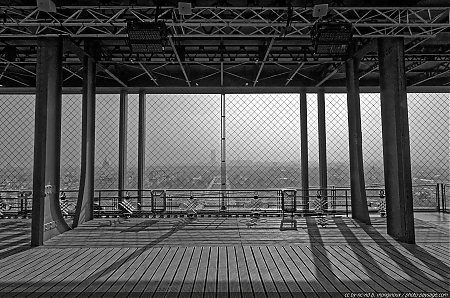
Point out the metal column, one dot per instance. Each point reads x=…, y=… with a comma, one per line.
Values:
x=357, y=182
x=396, y=146
x=304, y=149
x=47, y=220
x=85, y=204
x=141, y=145
x=322, y=149
x=123, y=121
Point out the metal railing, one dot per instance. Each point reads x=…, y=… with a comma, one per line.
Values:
x=336, y=200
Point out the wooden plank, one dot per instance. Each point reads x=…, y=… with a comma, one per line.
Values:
x=353, y=281
x=102, y=280
x=421, y=279
x=71, y=279
x=274, y=272
x=200, y=278
x=318, y=277
x=211, y=275
x=160, y=271
x=243, y=273
x=301, y=274
x=147, y=272
x=89, y=275
x=222, y=273
x=430, y=263
x=394, y=270
x=233, y=273
x=255, y=278
x=19, y=280
x=266, y=278
x=131, y=277
x=49, y=279
x=169, y=275
x=369, y=271
x=285, y=272
x=114, y=285
x=180, y=275
x=189, y=279
x=36, y=255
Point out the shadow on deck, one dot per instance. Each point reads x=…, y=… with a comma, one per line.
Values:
x=177, y=257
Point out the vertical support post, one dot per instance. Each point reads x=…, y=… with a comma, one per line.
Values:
x=47, y=220
x=123, y=119
x=85, y=203
x=358, y=188
x=396, y=145
x=141, y=145
x=304, y=149
x=223, y=169
x=322, y=149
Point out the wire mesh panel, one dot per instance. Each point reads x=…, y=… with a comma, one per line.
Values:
x=71, y=125
x=337, y=140
x=183, y=141
x=313, y=140
x=107, y=141
x=372, y=139
x=429, y=126
x=17, y=141
x=263, y=140
x=132, y=141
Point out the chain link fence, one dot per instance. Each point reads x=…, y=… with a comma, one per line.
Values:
x=338, y=160
x=429, y=128
x=71, y=129
x=183, y=147
x=372, y=139
x=313, y=140
x=183, y=141
x=17, y=142
x=263, y=140
x=107, y=141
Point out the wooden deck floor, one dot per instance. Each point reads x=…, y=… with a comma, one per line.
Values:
x=224, y=257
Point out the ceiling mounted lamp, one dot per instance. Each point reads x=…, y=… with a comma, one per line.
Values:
x=146, y=37
x=331, y=38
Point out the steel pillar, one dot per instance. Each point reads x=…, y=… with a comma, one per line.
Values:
x=141, y=145
x=357, y=182
x=322, y=149
x=304, y=149
x=85, y=203
x=123, y=119
x=396, y=150
x=47, y=220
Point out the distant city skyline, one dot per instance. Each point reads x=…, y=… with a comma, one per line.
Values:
x=185, y=130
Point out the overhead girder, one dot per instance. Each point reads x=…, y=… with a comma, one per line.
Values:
x=245, y=22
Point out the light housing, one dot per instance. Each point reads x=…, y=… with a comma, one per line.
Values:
x=147, y=37
x=330, y=38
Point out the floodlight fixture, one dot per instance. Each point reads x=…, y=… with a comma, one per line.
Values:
x=146, y=37
x=331, y=38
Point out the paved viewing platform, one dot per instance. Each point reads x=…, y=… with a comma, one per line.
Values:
x=225, y=257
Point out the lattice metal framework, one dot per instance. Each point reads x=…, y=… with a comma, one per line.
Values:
x=183, y=141
x=429, y=118
x=313, y=140
x=263, y=140
x=246, y=22
x=338, y=160
x=132, y=141
x=71, y=122
x=17, y=141
x=372, y=140
x=106, y=141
